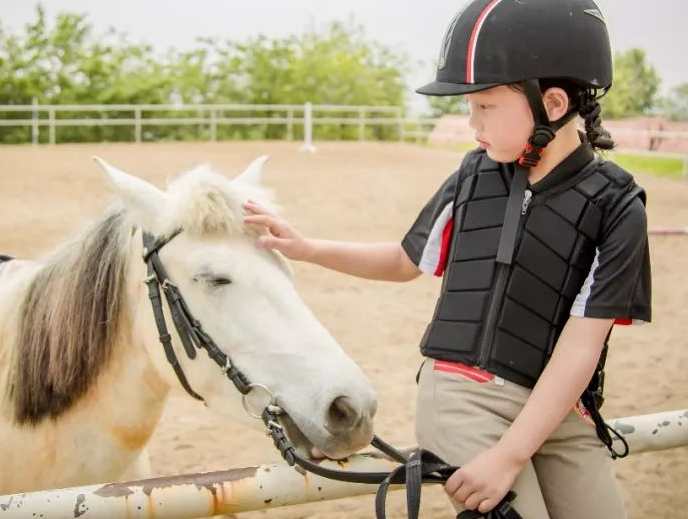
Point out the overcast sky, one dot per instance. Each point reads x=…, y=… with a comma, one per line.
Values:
x=416, y=27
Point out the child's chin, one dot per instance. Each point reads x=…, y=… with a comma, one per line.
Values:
x=501, y=157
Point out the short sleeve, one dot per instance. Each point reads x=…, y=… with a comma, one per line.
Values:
x=619, y=283
x=427, y=242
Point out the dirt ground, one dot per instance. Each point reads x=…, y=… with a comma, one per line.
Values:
x=361, y=192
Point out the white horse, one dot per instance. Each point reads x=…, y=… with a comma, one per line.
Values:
x=83, y=376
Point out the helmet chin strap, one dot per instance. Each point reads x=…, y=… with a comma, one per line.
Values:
x=545, y=131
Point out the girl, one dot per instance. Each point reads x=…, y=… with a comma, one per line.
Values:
x=540, y=254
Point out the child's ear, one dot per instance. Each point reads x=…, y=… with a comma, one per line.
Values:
x=556, y=103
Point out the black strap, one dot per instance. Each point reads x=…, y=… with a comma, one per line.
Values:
x=419, y=468
x=426, y=467
x=592, y=400
x=164, y=336
x=512, y=217
x=188, y=328
x=544, y=131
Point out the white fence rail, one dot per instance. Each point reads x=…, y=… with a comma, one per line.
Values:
x=210, y=117
x=268, y=486
x=207, y=116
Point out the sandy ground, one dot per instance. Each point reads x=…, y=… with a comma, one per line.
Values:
x=360, y=192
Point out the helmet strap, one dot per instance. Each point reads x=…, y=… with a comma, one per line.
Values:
x=544, y=131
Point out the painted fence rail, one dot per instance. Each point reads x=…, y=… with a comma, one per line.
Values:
x=266, y=486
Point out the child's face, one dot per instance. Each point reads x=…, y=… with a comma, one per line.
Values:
x=502, y=121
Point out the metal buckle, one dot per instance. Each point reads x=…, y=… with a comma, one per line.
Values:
x=167, y=284
x=271, y=402
x=227, y=367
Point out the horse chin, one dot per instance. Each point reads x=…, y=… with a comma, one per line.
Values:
x=302, y=445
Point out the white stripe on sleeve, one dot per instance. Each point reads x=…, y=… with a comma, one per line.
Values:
x=578, y=308
x=430, y=259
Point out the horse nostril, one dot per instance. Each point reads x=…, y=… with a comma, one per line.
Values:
x=342, y=415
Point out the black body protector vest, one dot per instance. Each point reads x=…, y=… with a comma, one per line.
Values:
x=506, y=317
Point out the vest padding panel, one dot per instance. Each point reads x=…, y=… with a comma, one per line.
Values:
x=532, y=293
x=473, y=275
x=469, y=305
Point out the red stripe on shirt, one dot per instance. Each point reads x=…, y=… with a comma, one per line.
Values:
x=444, y=250
x=624, y=322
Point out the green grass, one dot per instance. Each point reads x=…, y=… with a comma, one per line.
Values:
x=662, y=166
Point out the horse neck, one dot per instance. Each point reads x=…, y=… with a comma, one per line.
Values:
x=131, y=393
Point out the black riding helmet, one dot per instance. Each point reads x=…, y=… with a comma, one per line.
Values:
x=496, y=42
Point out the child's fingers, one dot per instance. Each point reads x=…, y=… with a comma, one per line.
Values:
x=262, y=219
x=255, y=208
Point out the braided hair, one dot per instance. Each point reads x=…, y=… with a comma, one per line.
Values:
x=584, y=102
x=589, y=109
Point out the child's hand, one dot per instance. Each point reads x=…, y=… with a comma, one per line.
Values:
x=484, y=481
x=283, y=237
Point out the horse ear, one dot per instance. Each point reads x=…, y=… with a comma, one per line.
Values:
x=254, y=172
x=143, y=201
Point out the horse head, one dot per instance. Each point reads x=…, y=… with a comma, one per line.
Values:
x=244, y=298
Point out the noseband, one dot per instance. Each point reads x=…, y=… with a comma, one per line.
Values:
x=420, y=467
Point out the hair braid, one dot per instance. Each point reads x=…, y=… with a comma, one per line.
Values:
x=589, y=109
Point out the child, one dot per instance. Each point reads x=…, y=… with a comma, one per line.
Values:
x=540, y=253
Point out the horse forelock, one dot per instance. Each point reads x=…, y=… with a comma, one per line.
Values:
x=69, y=320
x=204, y=202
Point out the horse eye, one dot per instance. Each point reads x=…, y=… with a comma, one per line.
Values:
x=218, y=282
x=213, y=281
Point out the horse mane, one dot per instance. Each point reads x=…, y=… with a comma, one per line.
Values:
x=69, y=319
x=73, y=311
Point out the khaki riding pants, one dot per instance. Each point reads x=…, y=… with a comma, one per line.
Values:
x=571, y=475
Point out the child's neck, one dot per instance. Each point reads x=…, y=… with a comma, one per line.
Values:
x=565, y=143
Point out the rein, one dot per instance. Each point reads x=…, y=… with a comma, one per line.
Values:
x=419, y=468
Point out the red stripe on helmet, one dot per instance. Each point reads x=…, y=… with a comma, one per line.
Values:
x=470, y=65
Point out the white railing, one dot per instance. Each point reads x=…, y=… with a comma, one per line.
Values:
x=210, y=116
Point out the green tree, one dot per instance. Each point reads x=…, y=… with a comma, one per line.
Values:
x=66, y=62
x=440, y=106
x=635, y=86
x=675, y=105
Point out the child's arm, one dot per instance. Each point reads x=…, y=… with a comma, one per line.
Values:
x=379, y=261
x=562, y=382
x=486, y=479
